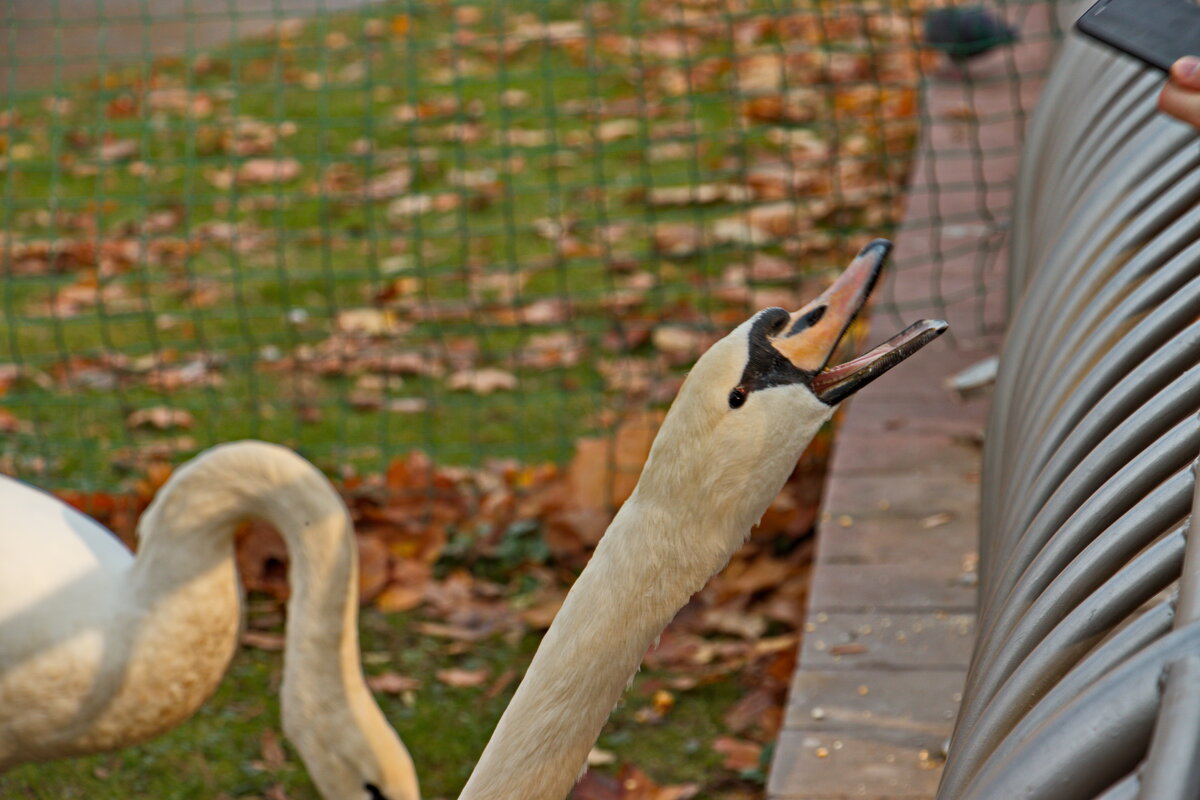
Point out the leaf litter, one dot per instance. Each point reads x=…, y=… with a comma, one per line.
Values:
x=428, y=534
x=433, y=539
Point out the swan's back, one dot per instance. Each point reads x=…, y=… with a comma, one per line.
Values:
x=60, y=573
x=46, y=547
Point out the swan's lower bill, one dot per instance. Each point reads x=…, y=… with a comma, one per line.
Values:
x=834, y=384
x=809, y=336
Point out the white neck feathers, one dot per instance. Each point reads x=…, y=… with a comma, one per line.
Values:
x=640, y=575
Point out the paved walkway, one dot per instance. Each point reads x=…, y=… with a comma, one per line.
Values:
x=891, y=611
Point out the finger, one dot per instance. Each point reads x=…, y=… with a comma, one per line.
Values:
x=1180, y=103
x=1186, y=72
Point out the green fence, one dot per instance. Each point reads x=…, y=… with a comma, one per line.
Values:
x=480, y=230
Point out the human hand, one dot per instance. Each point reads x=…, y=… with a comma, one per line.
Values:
x=1180, y=97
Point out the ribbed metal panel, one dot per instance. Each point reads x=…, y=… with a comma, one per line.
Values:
x=1085, y=678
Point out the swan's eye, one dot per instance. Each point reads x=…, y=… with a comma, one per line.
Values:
x=373, y=792
x=737, y=398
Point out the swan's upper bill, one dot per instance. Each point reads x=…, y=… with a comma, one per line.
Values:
x=796, y=348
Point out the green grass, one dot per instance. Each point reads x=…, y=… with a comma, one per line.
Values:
x=218, y=752
x=328, y=90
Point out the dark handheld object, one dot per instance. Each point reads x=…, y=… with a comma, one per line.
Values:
x=1157, y=32
x=962, y=32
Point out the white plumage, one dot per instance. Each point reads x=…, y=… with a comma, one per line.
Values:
x=99, y=649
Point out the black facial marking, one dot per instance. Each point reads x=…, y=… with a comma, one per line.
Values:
x=766, y=366
x=373, y=792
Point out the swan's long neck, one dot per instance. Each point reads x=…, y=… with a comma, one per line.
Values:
x=184, y=601
x=635, y=582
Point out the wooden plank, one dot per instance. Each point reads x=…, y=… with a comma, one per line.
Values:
x=932, y=585
x=901, y=707
x=818, y=766
x=887, y=639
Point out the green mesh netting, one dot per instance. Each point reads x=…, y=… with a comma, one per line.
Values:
x=480, y=230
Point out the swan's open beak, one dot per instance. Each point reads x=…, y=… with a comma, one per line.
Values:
x=812, y=333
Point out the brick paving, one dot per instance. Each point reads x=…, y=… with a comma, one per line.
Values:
x=891, y=611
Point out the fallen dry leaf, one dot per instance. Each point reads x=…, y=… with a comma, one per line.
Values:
x=117, y=149
x=699, y=194
x=10, y=423
x=483, y=381
x=726, y=619
x=502, y=682
x=263, y=640
x=758, y=708
x=681, y=344
x=406, y=590
x=388, y=185
x=369, y=322
x=160, y=417
x=268, y=170
x=463, y=678
x=541, y=615
x=679, y=239
x=739, y=753
x=373, y=567
x=604, y=471
x=392, y=683
x=630, y=783
x=936, y=520
x=600, y=758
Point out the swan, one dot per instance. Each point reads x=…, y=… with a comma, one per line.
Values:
x=743, y=416
x=100, y=649
x=132, y=646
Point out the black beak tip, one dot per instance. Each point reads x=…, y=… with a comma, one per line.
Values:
x=881, y=248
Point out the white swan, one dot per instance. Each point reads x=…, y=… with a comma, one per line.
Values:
x=733, y=435
x=146, y=642
x=99, y=649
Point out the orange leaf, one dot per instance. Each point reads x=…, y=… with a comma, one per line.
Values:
x=463, y=678
x=10, y=423
x=392, y=683
x=263, y=641
x=373, y=569
x=407, y=589
x=603, y=472
x=501, y=683
x=739, y=754
x=541, y=615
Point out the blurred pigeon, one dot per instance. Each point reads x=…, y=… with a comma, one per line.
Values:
x=964, y=32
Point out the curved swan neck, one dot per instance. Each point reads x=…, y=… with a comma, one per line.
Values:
x=324, y=694
x=635, y=582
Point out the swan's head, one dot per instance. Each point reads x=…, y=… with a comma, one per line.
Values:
x=756, y=398
x=350, y=751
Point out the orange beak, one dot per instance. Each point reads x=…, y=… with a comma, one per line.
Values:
x=812, y=333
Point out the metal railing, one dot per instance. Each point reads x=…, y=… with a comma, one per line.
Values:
x=1085, y=678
